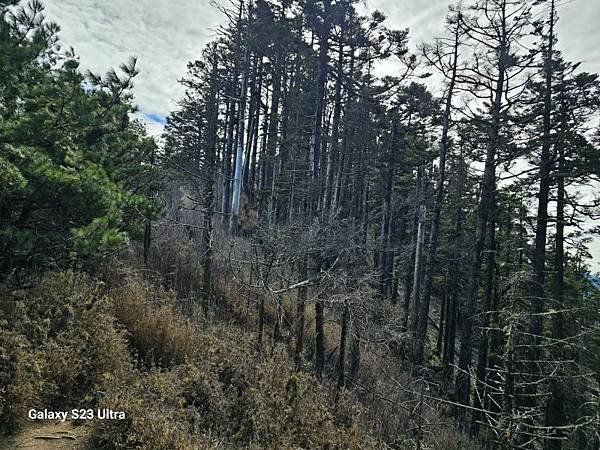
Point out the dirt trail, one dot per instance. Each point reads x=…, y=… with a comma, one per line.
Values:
x=49, y=436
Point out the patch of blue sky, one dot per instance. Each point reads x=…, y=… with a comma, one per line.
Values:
x=154, y=117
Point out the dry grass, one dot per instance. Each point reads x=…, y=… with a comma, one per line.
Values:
x=58, y=342
x=214, y=385
x=192, y=380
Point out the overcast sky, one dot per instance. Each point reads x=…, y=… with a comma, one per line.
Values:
x=165, y=35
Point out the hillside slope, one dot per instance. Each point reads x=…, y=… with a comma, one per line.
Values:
x=183, y=383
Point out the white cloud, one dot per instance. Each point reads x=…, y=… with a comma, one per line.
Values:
x=166, y=35
x=163, y=35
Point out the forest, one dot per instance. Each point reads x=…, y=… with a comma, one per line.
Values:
x=342, y=239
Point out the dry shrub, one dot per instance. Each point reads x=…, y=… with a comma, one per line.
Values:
x=215, y=386
x=20, y=381
x=156, y=415
x=286, y=409
x=395, y=414
x=155, y=329
x=57, y=343
x=175, y=256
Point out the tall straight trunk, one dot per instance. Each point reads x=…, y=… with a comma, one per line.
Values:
x=292, y=199
x=300, y=313
x=314, y=157
x=209, y=151
x=254, y=152
x=147, y=239
x=359, y=201
x=396, y=272
x=263, y=147
x=482, y=355
x=417, y=269
x=315, y=137
x=333, y=156
x=388, y=259
x=488, y=187
x=423, y=312
x=222, y=160
x=319, y=337
x=495, y=332
x=453, y=292
x=226, y=197
x=324, y=159
x=385, y=235
x=343, y=157
x=539, y=255
x=254, y=115
x=555, y=409
x=271, y=139
x=442, y=322
x=408, y=275
x=454, y=272
x=227, y=172
x=507, y=391
x=341, y=379
x=284, y=179
x=239, y=156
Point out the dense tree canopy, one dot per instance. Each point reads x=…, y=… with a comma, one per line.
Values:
x=465, y=206
x=74, y=166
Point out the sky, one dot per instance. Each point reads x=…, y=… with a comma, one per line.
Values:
x=164, y=35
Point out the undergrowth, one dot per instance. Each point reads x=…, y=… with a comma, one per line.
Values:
x=183, y=383
x=187, y=377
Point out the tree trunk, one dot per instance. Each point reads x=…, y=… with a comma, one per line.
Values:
x=314, y=156
x=555, y=410
x=482, y=355
x=385, y=235
x=417, y=269
x=300, y=310
x=271, y=140
x=423, y=311
x=226, y=197
x=341, y=381
x=539, y=255
x=488, y=187
x=454, y=272
x=210, y=170
x=239, y=156
x=343, y=157
x=408, y=275
x=333, y=158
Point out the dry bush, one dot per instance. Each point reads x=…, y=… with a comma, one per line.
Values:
x=175, y=256
x=156, y=415
x=396, y=412
x=238, y=285
x=57, y=343
x=216, y=386
x=291, y=410
x=154, y=328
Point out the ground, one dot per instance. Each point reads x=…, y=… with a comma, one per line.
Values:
x=48, y=435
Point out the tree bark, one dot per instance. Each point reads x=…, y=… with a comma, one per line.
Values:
x=488, y=187
x=555, y=409
x=539, y=255
x=423, y=312
x=417, y=269
x=210, y=150
x=482, y=354
x=239, y=156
